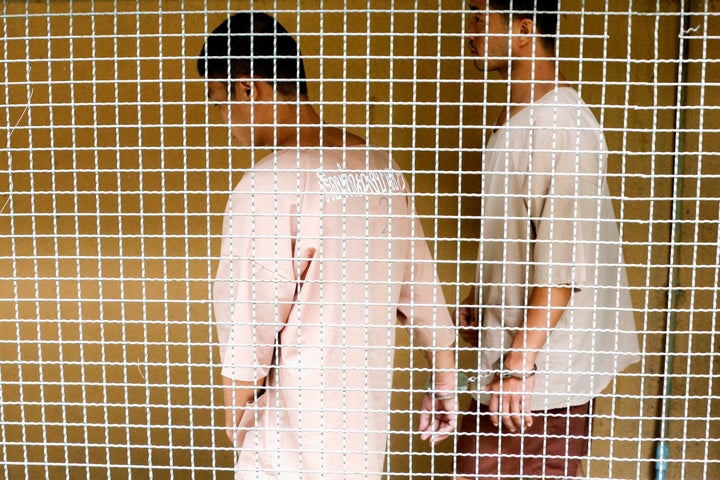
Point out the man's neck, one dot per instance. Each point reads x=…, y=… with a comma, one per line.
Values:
x=530, y=81
x=297, y=124
x=303, y=128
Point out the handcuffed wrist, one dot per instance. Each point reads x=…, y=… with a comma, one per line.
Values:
x=442, y=395
x=499, y=368
x=439, y=393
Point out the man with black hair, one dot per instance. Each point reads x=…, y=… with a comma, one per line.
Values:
x=551, y=313
x=321, y=253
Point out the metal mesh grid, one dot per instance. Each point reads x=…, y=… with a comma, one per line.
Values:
x=115, y=171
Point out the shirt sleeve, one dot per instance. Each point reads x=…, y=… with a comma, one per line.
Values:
x=255, y=287
x=421, y=302
x=565, y=201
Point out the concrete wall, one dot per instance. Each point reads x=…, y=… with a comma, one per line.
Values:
x=116, y=187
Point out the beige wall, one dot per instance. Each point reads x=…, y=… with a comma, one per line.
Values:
x=109, y=240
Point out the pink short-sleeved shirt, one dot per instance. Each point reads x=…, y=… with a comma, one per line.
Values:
x=547, y=220
x=320, y=252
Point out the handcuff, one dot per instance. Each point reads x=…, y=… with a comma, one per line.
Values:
x=499, y=368
x=463, y=381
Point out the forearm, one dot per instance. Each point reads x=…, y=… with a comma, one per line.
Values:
x=439, y=405
x=442, y=361
x=545, y=307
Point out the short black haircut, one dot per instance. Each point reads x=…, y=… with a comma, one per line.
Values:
x=256, y=45
x=543, y=12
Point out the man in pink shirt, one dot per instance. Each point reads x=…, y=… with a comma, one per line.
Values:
x=321, y=253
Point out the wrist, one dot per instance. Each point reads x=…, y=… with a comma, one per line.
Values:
x=442, y=395
x=441, y=386
x=517, y=366
x=519, y=359
x=443, y=380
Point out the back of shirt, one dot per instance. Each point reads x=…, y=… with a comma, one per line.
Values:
x=320, y=253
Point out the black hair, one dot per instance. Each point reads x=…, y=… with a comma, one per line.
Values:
x=256, y=45
x=543, y=12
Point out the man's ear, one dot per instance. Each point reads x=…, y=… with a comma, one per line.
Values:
x=524, y=32
x=243, y=88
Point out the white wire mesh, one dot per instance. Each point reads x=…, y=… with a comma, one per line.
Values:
x=115, y=171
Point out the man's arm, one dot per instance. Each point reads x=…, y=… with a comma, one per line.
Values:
x=438, y=417
x=511, y=396
x=237, y=395
x=422, y=305
x=467, y=318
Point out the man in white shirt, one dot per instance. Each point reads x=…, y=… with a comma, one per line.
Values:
x=551, y=313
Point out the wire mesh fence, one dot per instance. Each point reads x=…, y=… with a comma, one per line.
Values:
x=116, y=170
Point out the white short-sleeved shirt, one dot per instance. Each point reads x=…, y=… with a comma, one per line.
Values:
x=548, y=220
x=320, y=252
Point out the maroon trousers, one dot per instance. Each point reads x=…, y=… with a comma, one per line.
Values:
x=552, y=447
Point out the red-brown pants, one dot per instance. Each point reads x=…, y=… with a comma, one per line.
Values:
x=552, y=447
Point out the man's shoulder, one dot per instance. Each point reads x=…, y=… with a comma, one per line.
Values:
x=277, y=169
x=286, y=159
x=564, y=108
